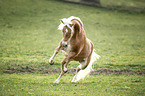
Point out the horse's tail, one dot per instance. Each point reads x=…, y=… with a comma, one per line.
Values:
x=83, y=73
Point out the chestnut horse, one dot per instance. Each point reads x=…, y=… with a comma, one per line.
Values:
x=76, y=46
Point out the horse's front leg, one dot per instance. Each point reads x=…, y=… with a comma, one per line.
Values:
x=65, y=62
x=63, y=71
x=58, y=79
x=51, y=60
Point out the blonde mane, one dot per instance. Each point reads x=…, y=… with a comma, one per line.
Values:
x=68, y=21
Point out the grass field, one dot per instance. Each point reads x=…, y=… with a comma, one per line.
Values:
x=29, y=35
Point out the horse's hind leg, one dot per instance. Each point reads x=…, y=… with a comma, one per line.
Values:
x=82, y=69
x=82, y=65
x=75, y=77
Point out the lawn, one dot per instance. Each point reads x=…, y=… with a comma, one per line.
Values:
x=37, y=84
x=29, y=35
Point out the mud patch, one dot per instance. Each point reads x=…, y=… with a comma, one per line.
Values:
x=50, y=69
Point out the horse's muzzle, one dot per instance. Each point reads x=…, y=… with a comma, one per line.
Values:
x=65, y=44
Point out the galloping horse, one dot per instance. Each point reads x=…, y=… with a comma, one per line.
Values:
x=76, y=46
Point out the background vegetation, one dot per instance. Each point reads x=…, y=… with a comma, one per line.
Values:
x=29, y=35
x=131, y=5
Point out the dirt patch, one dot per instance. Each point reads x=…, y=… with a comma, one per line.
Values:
x=117, y=72
x=27, y=69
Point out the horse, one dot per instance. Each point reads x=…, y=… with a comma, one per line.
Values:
x=76, y=47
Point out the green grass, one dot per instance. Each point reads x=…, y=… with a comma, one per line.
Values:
x=36, y=84
x=29, y=35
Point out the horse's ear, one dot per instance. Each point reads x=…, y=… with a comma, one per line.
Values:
x=61, y=21
x=71, y=25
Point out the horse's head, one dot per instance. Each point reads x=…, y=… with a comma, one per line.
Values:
x=66, y=27
x=70, y=27
x=67, y=30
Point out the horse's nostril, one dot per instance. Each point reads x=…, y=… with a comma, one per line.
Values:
x=64, y=45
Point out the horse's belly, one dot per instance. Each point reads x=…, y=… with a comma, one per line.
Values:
x=86, y=51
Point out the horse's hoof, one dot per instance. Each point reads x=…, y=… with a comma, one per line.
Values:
x=65, y=70
x=56, y=81
x=51, y=62
x=73, y=81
